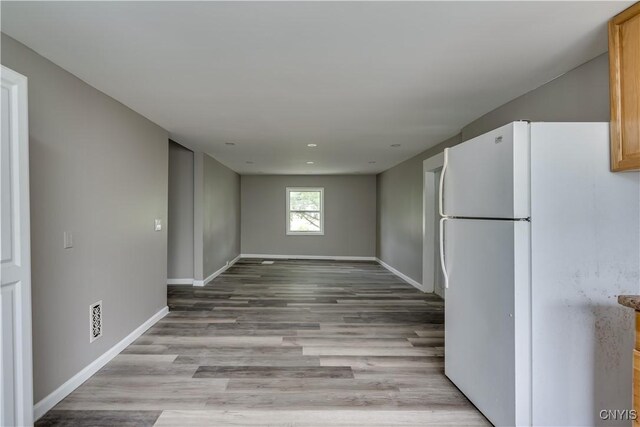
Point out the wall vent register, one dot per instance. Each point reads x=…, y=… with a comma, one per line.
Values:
x=95, y=321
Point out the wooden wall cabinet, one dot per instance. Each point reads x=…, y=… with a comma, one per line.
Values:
x=624, y=75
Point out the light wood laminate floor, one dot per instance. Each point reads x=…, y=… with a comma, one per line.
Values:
x=295, y=343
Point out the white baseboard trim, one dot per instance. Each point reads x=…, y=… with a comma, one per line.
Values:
x=401, y=275
x=216, y=273
x=328, y=257
x=41, y=408
x=179, y=281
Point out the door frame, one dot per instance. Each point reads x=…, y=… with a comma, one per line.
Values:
x=429, y=214
x=23, y=368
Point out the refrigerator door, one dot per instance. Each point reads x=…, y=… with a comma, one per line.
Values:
x=488, y=176
x=487, y=322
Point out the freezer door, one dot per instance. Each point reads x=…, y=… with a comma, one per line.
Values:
x=487, y=329
x=488, y=176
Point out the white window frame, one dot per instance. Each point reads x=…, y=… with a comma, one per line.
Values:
x=288, y=210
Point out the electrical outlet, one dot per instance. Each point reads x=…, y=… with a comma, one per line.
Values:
x=158, y=225
x=68, y=240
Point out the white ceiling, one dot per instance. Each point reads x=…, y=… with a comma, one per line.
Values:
x=352, y=77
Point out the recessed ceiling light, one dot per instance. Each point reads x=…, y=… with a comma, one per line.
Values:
x=372, y=162
x=249, y=162
x=312, y=145
x=395, y=145
x=309, y=163
x=229, y=143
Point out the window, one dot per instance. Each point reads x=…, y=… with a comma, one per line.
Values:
x=305, y=211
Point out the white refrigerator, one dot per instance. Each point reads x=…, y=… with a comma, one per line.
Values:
x=538, y=238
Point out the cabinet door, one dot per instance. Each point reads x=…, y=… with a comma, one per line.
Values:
x=624, y=64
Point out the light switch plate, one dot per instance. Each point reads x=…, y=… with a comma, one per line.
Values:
x=68, y=240
x=158, y=225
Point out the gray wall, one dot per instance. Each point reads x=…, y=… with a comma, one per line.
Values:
x=99, y=170
x=180, y=222
x=580, y=95
x=349, y=215
x=399, y=210
x=220, y=215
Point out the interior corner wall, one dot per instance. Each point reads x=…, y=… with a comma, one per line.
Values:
x=98, y=170
x=180, y=222
x=220, y=215
x=349, y=215
x=581, y=95
x=198, y=215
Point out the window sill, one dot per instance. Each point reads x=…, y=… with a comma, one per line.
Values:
x=305, y=233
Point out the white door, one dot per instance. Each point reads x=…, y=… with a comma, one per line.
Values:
x=488, y=176
x=16, y=392
x=487, y=316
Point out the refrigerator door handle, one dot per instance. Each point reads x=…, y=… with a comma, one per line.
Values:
x=442, y=262
x=441, y=192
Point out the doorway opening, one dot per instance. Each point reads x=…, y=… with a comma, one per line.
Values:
x=180, y=231
x=432, y=276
